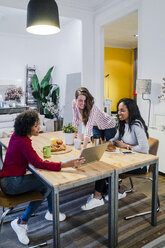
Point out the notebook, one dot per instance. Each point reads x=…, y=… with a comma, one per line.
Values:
x=91, y=154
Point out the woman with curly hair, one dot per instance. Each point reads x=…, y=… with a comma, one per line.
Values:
x=13, y=178
x=92, y=117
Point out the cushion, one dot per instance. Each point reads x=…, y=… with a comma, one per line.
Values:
x=14, y=200
x=7, y=124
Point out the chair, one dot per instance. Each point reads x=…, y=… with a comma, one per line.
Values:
x=11, y=201
x=153, y=148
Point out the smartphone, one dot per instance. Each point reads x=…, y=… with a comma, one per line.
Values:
x=127, y=152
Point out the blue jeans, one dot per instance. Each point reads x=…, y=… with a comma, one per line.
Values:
x=21, y=184
x=101, y=185
x=106, y=133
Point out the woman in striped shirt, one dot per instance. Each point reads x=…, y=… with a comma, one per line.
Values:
x=92, y=117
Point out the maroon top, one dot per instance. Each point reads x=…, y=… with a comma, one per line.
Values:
x=19, y=154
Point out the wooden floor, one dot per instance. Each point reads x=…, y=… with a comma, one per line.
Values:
x=87, y=229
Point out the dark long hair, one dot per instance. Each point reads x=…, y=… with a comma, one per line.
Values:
x=133, y=118
x=88, y=105
x=24, y=122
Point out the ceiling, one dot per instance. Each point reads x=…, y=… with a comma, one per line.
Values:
x=117, y=34
x=90, y=5
x=121, y=33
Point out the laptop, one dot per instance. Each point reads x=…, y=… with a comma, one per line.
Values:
x=91, y=154
x=94, y=153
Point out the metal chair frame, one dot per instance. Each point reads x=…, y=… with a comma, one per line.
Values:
x=152, y=151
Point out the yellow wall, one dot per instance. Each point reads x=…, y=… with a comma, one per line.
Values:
x=118, y=63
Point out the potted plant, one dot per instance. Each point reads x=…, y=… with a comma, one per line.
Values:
x=69, y=131
x=46, y=94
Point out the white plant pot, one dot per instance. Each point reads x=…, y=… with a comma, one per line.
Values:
x=69, y=138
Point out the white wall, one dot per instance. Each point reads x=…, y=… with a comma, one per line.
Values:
x=151, y=53
x=67, y=52
x=115, y=11
x=72, y=50
x=63, y=50
x=88, y=60
x=151, y=48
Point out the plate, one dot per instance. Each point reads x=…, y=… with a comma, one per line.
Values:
x=68, y=149
x=116, y=151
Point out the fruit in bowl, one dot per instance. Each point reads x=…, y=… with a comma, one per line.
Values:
x=58, y=148
x=53, y=141
x=59, y=142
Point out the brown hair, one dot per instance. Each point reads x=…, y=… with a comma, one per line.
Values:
x=89, y=103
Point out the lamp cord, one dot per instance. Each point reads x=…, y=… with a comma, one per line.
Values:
x=147, y=99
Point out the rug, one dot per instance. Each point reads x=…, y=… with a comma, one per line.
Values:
x=89, y=229
x=157, y=243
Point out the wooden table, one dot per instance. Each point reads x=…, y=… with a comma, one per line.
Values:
x=69, y=178
x=127, y=162
x=111, y=165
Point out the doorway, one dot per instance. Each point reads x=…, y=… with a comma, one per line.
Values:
x=120, y=59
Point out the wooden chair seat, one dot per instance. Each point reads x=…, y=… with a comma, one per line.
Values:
x=11, y=201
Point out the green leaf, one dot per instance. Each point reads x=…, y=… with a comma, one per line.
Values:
x=36, y=95
x=48, y=113
x=54, y=97
x=58, y=91
x=69, y=128
x=47, y=90
x=46, y=79
x=35, y=83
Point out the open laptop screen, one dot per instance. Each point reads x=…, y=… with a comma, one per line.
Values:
x=93, y=153
x=90, y=154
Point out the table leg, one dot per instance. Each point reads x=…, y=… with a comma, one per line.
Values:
x=116, y=187
x=111, y=223
x=154, y=194
x=56, y=229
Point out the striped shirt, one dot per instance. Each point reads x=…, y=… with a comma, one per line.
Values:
x=96, y=118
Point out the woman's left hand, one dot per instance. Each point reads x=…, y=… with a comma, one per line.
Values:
x=75, y=163
x=120, y=144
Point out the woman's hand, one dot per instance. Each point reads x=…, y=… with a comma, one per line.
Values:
x=75, y=135
x=85, y=143
x=75, y=163
x=120, y=144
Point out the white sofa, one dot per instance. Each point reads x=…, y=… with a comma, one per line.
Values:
x=7, y=124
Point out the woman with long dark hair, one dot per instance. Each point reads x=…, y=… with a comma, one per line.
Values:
x=92, y=117
x=132, y=135
x=13, y=178
x=132, y=131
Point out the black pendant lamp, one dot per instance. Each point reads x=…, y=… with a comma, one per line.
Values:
x=42, y=17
